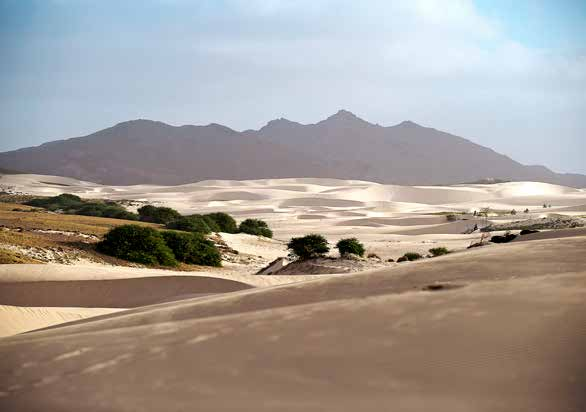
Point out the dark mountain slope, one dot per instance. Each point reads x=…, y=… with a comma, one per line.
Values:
x=341, y=146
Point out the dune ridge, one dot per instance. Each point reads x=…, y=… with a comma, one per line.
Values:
x=281, y=346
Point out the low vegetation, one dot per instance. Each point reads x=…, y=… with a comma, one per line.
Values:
x=507, y=237
x=225, y=222
x=69, y=224
x=350, y=246
x=256, y=227
x=137, y=244
x=10, y=257
x=192, y=248
x=22, y=217
x=74, y=205
x=191, y=223
x=164, y=248
x=154, y=214
x=308, y=247
x=409, y=257
x=438, y=251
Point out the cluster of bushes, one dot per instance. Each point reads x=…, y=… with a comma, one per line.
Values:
x=314, y=246
x=165, y=248
x=74, y=205
x=172, y=219
x=255, y=227
x=433, y=252
x=154, y=214
x=210, y=222
x=410, y=257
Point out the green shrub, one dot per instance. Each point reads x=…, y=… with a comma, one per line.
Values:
x=350, y=245
x=309, y=246
x=438, y=251
x=409, y=256
x=214, y=227
x=74, y=205
x=104, y=210
x=156, y=214
x=193, y=248
x=137, y=244
x=192, y=223
x=255, y=227
x=224, y=221
x=64, y=201
x=506, y=238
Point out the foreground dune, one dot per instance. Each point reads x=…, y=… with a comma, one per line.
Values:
x=37, y=296
x=117, y=293
x=15, y=319
x=30, y=273
x=499, y=328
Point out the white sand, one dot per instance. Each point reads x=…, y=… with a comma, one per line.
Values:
x=508, y=337
x=16, y=319
x=390, y=220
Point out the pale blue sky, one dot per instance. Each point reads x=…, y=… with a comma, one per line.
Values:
x=508, y=75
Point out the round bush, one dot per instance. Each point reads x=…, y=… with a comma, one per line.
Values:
x=137, y=244
x=310, y=246
x=438, y=251
x=350, y=245
x=409, y=256
x=193, y=223
x=192, y=248
x=255, y=227
x=64, y=201
x=155, y=214
x=225, y=222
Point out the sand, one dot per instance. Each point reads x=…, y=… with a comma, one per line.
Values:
x=497, y=328
x=15, y=319
x=508, y=334
x=387, y=218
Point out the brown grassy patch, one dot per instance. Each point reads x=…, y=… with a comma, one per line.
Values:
x=28, y=239
x=10, y=257
x=29, y=220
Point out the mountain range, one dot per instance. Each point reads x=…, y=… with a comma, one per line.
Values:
x=342, y=146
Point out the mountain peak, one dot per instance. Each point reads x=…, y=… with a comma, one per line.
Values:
x=344, y=116
x=408, y=123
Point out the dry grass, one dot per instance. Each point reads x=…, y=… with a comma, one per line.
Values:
x=20, y=229
x=28, y=219
x=9, y=257
x=15, y=198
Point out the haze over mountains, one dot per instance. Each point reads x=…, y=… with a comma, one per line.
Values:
x=341, y=146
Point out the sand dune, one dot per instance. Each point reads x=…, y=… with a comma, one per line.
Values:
x=31, y=273
x=112, y=293
x=506, y=333
x=14, y=319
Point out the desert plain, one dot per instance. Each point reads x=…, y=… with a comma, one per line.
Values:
x=501, y=327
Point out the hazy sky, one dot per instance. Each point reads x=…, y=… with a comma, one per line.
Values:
x=510, y=75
